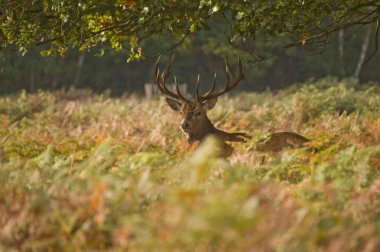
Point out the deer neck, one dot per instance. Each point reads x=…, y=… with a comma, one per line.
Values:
x=207, y=128
x=201, y=131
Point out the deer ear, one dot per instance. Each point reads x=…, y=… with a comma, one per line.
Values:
x=209, y=104
x=176, y=106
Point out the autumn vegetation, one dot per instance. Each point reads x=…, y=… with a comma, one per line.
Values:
x=82, y=171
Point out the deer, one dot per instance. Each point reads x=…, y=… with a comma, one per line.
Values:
x=195, y=123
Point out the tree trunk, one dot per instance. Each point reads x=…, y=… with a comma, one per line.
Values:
x=341, y=53
x=79, y=69
x=363, y=53
x=32, y=78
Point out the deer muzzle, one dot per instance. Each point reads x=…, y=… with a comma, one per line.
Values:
x=185, y=126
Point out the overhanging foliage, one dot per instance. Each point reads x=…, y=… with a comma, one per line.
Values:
x=124, y=24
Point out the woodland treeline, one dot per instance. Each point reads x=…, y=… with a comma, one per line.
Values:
x=111, y=70
x=49, y=45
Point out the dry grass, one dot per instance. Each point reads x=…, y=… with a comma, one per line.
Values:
x=98, y=173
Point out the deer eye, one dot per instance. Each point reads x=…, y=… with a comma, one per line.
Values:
x=198, y=113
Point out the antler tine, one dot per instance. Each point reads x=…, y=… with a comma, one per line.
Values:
x=157, y=74
x=204, y=97
x=161, y=79
x=156, y=70
x=196, y=89
x=230, y=75
x=179, y=92
x=168, y=69
x=231, y=81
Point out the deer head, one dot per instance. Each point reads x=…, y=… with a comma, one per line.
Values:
x=195, y=123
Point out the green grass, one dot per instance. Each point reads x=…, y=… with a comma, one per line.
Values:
x=99, y=173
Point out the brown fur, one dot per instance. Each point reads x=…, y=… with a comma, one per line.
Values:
x=195, y=115
x=201, y=126
x=195, y=123
x=278, y=141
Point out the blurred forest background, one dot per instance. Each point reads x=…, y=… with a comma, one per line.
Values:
x=202, y=53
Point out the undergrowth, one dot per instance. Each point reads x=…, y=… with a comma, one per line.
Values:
x=108, y=174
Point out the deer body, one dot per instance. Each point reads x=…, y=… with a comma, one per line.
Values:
x=278, y=141
x=196, y=125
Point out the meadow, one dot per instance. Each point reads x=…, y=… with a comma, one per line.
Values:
x=87, y=172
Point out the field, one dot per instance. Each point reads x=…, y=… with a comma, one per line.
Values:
x=81, y=171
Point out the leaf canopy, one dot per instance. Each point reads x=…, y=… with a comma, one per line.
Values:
x=126, y=23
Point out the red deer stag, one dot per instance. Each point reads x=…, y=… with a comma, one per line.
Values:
x=195, y=123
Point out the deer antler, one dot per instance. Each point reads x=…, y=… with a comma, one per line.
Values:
x=161, y=81
x=231, y=82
